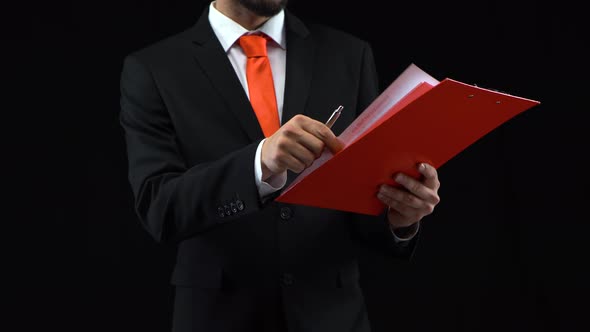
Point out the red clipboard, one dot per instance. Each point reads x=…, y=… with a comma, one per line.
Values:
x=416, y=119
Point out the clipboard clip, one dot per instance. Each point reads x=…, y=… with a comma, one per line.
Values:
x=491, y=89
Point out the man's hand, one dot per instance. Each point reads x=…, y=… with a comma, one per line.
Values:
x=416, y=200
x=296, y=145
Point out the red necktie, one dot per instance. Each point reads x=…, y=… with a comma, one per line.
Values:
x=260, y=83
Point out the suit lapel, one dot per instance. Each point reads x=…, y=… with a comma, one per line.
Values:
x=212, y=59
x=300, y=53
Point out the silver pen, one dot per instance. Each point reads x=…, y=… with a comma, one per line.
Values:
x=335, y=115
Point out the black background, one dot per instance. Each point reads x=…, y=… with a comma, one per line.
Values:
x=506, y=249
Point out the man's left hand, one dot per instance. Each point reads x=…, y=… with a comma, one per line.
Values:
x=417, y=198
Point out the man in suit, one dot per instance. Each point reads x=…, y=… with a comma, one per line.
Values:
x=206, y=161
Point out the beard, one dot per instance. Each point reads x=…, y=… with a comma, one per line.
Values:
x=266, y=8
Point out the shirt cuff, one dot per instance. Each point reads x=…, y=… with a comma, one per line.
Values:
x=406, y=238
x=273, y=183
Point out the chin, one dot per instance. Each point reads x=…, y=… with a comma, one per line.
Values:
x=264, y=7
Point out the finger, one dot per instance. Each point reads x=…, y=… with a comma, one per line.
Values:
x=302, y=154
x=430, y=176
x=289, y=143
x=323, y=133
x=403, y=196
x=311, y=143
x=403, y=209
x=289, y=161
x=417, y=188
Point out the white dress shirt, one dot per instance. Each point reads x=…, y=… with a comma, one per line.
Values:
x=228, y=32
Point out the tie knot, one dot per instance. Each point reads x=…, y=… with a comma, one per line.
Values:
x=253, y=45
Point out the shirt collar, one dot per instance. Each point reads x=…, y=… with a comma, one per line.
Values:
x=228, y=31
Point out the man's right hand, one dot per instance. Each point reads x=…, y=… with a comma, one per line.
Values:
x=296, y=145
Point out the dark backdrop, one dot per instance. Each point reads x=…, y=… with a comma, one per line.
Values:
x=507, y=247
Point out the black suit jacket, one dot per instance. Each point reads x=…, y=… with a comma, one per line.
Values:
x=245, y=264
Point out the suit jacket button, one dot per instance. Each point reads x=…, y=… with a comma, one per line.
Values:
x=227, y=210
x=287, y=279
x=233, y=207
x=220, y=212
x=286, y=213
x=240, y=205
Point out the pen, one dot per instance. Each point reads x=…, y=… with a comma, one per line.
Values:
x=335, y=115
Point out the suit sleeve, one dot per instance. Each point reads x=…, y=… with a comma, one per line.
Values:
x=374, y=232
x=174, y=201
